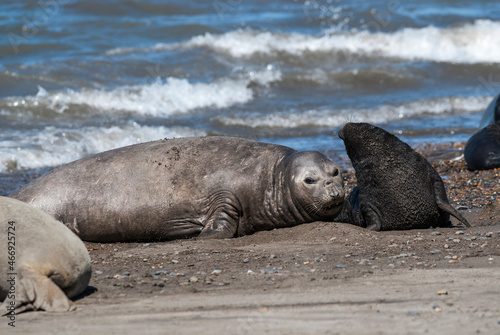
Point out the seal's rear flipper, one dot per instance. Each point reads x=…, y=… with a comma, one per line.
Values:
x=447, y=208
x=442, y=200
x=37, y=292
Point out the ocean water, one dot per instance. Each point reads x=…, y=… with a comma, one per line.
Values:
x=83, y=76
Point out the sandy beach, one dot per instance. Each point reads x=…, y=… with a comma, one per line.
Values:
x=321, y=278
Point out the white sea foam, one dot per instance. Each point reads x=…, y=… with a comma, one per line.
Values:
x=476, y=42
x=53, y=146
x=174, y=96
x=336, y=118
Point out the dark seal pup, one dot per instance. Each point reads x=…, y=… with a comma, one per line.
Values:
x=216, y=187
x=482, y=150
x=42, y=262
x=397, y=188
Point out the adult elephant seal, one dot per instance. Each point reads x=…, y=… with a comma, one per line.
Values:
x=42, y=262
x=215, y=187
x=482, y=150
x=397, y=188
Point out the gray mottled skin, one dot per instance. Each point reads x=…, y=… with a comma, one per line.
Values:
x=51, y=262
x=397, y=188
x=216, y=187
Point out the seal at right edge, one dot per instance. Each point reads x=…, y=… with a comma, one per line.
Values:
x=482, y=150
x=397, y=188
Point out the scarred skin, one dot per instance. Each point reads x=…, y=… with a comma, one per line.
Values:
x=397, y=188
x=216, y=187
x=49, y=262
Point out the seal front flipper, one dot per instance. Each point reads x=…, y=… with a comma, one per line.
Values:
x=359, y=213
x=37, y=292
x=371, y=217
x=350, y=210
x=223, y=217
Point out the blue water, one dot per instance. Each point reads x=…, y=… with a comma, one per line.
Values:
x=79, y=77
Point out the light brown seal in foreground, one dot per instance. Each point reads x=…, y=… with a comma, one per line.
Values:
x=216, y=187
x=42, y=262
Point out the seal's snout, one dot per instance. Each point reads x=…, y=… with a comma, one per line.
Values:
x=337, y=193
x=334, y=191
x=341, y=134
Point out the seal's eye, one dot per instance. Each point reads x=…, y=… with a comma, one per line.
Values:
x=309, y=181
x=336, y=172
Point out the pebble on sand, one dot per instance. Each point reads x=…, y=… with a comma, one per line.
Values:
x=161, y=272
x=436, y=308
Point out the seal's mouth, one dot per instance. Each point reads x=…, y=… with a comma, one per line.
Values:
x=333, y=205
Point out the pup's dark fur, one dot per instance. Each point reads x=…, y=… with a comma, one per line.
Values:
x=482, y=151
x=397, y=188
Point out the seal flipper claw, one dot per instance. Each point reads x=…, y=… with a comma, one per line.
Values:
x=38, y=292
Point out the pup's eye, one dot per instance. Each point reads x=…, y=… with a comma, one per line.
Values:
x=336, y=172
x=309, y=181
